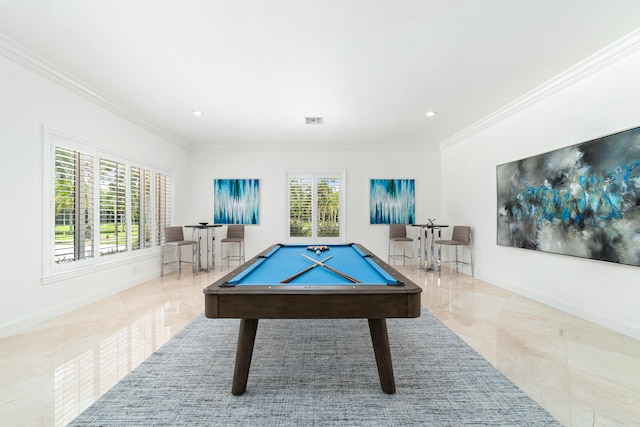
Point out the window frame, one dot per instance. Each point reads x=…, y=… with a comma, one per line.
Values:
x=53, y=271
x=315, y=175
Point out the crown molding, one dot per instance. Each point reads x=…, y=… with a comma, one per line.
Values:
x=24, y=57
x=603, y=58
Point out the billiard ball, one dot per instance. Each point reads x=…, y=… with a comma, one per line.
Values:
x=318, y=252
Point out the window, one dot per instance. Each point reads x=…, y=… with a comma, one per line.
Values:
x=163, y=205
x=100, y=205
x=328, y=207
x=300, y=203
x=113, y=207
x=316, y=206
x=73, y=205
x=140, y=208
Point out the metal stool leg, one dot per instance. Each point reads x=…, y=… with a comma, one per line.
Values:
x=179, y=259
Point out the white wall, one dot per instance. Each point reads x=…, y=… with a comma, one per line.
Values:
x=28, y=102
x=457, y=186
x=270, y=167
x=605, y=102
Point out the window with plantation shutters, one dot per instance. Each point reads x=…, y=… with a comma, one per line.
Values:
x=328, y=206
x=101, y=206
x=315, y=206
x=140, y=208
x=113, y=207
x=73, y=206
x=300, y=207
x=163, y=205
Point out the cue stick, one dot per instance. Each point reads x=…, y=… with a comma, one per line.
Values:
x=288, y=279
x=338, y=272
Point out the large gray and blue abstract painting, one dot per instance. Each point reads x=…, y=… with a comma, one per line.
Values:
x=581, y=200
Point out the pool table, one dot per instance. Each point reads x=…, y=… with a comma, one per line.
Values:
x=341, y=281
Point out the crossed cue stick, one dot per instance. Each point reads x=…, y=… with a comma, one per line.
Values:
x=317, y=263
x=288, y=279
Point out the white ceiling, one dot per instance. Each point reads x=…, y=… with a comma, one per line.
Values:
x=370, y=68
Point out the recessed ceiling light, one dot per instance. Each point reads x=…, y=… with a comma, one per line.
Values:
x=431, y=113
x=197, y=113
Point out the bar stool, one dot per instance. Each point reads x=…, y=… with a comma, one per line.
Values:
x=398, y=234
x=174, y=238
x=235, y=234
x=460, y=237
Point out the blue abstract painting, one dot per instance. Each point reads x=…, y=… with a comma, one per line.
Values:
x=392, y=201
x=582, y=200
x=236, y=201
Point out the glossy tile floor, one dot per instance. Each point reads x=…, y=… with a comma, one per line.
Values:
x=583, y=374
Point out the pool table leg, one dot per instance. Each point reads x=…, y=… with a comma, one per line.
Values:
x=380, y=339
x=246, y=338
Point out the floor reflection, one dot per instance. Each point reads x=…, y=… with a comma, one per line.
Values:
x=581, y=373
x=82, y=379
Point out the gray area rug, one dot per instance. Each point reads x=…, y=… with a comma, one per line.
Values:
x=314, y=373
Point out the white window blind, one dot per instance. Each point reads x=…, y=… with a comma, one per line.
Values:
x=73, y=206
x=163, y=205
x=300, y=207
x=328, y=207
x=113, y=207
x=140, y=208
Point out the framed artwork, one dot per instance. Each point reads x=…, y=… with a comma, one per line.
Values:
x=236, y=201
x=582, y=200
x=392, y=201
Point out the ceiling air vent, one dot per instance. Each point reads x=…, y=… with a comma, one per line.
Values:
x=314, y=120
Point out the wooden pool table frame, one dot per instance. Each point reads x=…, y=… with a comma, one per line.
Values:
x=287, y=301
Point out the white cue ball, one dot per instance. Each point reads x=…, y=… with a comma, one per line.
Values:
x=318, y=252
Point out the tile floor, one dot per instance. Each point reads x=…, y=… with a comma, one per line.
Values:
x=583, y=374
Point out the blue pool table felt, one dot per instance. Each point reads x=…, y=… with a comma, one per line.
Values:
x=286, y=260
